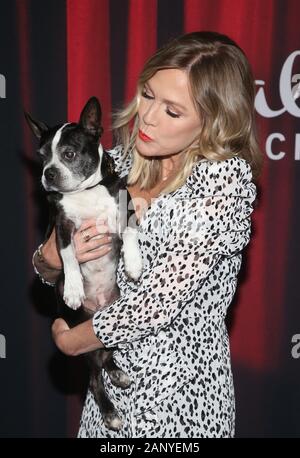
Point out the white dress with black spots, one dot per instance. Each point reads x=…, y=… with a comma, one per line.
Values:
x=168, y=328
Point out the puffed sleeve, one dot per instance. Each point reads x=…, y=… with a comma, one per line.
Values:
x=196, y=231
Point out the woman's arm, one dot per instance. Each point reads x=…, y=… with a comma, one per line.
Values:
x=46, y=261
x=75, y=341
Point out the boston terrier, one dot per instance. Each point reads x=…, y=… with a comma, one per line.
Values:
x=81, y=183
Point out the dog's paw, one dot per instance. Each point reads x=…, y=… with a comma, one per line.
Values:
x=119, y=378
x=73, y=300
x=134, y=267
x=74, y=293
x=112, y=421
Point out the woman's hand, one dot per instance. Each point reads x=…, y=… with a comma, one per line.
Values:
x=97, y=245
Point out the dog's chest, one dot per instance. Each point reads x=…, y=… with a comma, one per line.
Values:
x=89, y=203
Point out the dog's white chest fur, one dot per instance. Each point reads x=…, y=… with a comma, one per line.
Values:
x=90, y=203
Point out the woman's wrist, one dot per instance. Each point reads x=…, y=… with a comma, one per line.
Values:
x=49, y=256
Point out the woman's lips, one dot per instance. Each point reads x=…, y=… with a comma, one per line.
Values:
x=144, y=137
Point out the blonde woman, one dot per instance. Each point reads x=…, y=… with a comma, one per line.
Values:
x=191, y=158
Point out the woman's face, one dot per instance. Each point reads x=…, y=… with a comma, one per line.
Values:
x=168, y=120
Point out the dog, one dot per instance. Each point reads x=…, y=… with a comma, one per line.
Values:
x=81, y=183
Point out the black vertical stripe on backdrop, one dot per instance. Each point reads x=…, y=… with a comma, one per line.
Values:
x=49, y=103
x=169, y=20
x=32, y=399
x=14, y=402
x=48, y=47
x=49, y=94
x=118, y=13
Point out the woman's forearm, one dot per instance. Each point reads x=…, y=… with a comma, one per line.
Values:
x=77, y=340
x=47, y=273
x=47, y=262
x=50, y=253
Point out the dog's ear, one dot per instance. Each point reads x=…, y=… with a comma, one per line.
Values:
x=90, y=118
x=37, y=127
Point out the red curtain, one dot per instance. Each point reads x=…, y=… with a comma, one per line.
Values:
x=142, y=27
x=88, y=58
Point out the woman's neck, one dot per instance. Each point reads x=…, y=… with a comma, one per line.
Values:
x=142, y=198
x=169, y=165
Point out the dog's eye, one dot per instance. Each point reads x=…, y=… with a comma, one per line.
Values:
x=69, y=155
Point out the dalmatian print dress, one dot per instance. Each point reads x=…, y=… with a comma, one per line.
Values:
x=167, y=329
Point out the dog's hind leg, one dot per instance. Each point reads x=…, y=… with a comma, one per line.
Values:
x=109, y=414
x=116, y=375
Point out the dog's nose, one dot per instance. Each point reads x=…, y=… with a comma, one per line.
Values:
x=50, y=174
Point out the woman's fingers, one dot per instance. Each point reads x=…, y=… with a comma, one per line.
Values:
x=89, y=232
x=92, y=223
x=92, y=232
x=87, y=223
x=94, y=254
x=92, y=240
x=97, y=242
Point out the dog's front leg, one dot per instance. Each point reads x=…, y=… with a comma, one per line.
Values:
x=73, y=287
x=128, y=232
x=132, y=256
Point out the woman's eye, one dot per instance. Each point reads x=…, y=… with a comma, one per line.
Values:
x=69, y=155
x=172, y=114
x=146, y=95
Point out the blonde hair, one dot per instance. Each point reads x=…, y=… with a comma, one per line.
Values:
x=222, y=88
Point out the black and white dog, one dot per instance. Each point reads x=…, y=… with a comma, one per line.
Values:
x=81, y=183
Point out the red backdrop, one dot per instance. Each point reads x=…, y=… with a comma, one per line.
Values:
x=104, y=45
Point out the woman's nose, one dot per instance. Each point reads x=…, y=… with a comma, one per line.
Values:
x=150, y=115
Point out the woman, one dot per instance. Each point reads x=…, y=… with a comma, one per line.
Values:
x=193, y=152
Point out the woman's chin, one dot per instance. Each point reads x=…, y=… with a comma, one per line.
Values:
x=145, y=149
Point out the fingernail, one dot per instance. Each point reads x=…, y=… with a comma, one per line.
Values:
x=109, y=238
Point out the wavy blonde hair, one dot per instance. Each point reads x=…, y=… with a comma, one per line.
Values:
x=222, y=89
